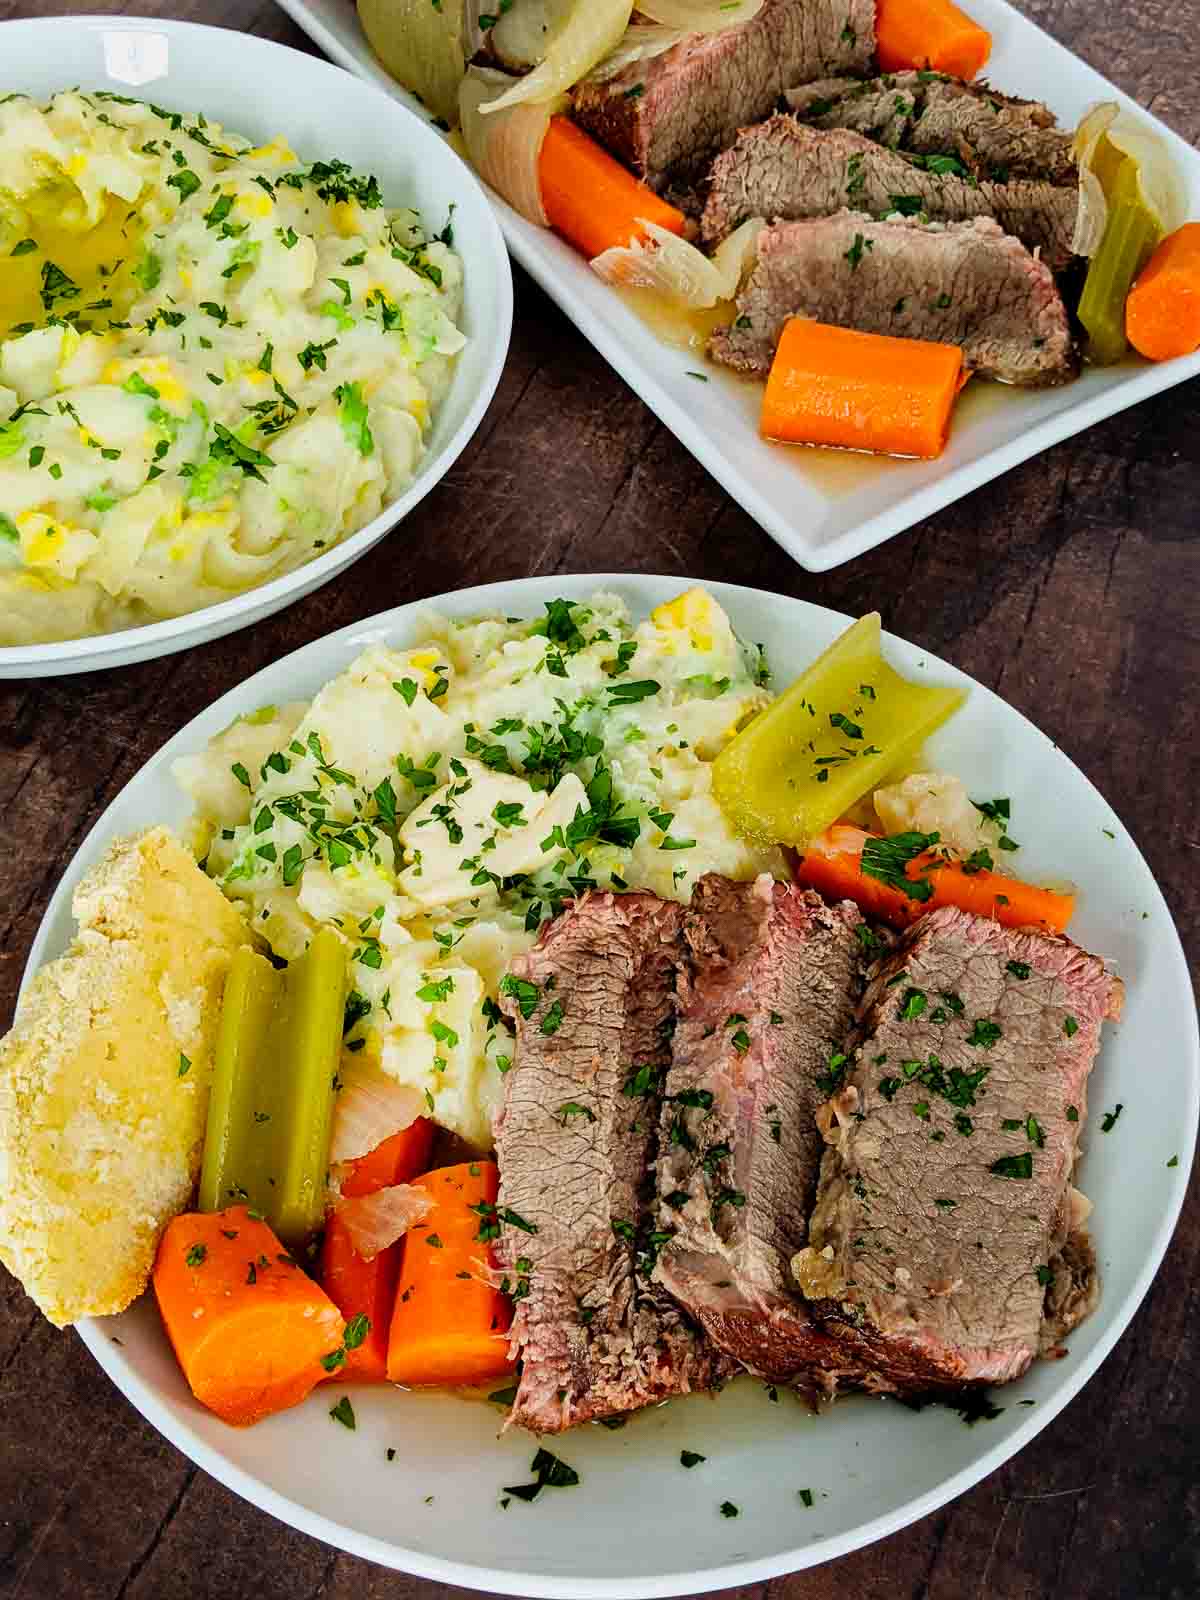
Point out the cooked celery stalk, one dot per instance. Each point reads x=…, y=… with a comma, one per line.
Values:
x=267, y=1142
x=248, y=1007
x=1129, y=239
x=845, y=724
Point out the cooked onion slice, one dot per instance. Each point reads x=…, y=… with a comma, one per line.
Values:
x=505, y=149
x=642, y=41
x=375, y=1221
x=518, y=38
x=700, y=16
x=421, y=45
x=370, y=1107
x=1106, y=128
x=593, y=28
x=675, y=268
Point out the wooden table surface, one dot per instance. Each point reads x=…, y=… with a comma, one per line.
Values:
x=1070, y=586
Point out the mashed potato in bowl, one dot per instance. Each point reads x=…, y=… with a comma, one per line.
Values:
x=438, y=804
x=215, y=360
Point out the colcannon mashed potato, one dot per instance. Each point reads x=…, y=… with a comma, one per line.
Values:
x=215, y=360
x=438, y=804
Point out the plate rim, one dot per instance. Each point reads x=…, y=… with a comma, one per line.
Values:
x=152, y=640
x=904, y=510
x=508, y=1581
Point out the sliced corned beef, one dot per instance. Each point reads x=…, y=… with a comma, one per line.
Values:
x=964, y=283
x=946, y=1245
x=782, y=170
x=764, y=1014
x=593, y=1005
x=666, y=117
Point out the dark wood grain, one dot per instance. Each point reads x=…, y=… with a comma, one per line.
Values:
x=1070, y=586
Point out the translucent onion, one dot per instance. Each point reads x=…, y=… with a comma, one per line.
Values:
x=642, y=41
x=375, y=1221
x=421, y=45
x=675, y=268
x=520, y=37
x=370, y=1107
x=1105, y=128
x=505, y=149
x=594, y=28
x=700, y=16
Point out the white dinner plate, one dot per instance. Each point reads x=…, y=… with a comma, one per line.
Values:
x=824, y=507
x=260, y=89
x=638, y=1524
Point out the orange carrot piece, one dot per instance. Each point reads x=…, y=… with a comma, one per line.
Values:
x=929, y=33
x=1162, y=313
x=832, y=864
x=399, y=1159
x=589, y=196
x=368, y=1288
x=361, y=1288
x=861, y=391
x=249, y=1329
x=449, y=1324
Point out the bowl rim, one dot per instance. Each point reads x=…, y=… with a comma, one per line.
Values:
x=91, y=652
x=175, y=1426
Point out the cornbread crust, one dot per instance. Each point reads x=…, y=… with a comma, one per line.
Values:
x=105, y=1078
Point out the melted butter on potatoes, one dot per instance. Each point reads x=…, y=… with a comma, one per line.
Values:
x=216, y=360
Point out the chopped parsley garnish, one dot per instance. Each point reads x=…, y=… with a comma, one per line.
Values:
x=1013, y=1166
x=572, y=1108
x=343, y=1412
x=728, y=1509
x=1070, y=1027
x=1109, y=1121
x=913, y=1004
x=1019, y=969
x=886, y=859
x=984, y=1034
x=691, y=1458
x=549, y=1473
x=56, y=285
x=552, y=1021
x=197, y=1255
x=523, y=992
x=627, y=694
x=830, y=1081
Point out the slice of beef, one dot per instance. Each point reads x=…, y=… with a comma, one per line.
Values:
x=783, y=170
x=964, y=283
x=668, y=116
x=994, y=136
x=576, y=1139
x=945, y=1200
x=762, y=1019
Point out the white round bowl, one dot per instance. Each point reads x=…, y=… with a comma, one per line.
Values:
x=261, y=89
x=639, y=1525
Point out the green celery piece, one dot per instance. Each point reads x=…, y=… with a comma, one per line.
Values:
x=252, y=991
x=271, y=1111
x=767, y=779
x=1129, y=240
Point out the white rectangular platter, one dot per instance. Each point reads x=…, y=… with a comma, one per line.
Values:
x=825, y=507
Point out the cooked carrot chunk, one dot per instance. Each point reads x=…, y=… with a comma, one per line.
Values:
x=929, y=33
x=1162, y=313
x=248, y=1327
x=590, y=198
x=367, y=1289
x=833, y=864
x=861, y=391
x=449, y=1324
